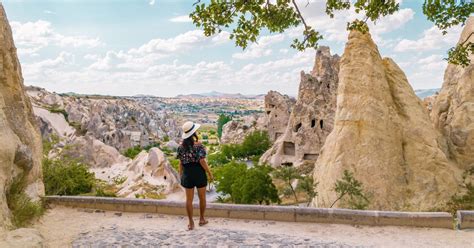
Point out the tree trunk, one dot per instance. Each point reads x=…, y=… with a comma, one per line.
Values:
x=294, y=193
x=337, y=200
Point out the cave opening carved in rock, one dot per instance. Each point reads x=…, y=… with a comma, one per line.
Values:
x=289, y=148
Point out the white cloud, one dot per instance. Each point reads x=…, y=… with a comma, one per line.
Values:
x=183, y=18
x=184, y=41
x=151, y=2
x=432, y=39
x=150, y=53
x=30, y=37
x=91, y=56
x=261, y=48
x=168, y=78
x=432, y=63
x=49, y=12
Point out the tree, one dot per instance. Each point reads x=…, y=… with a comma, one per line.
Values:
x=255, y=144
x=223, y=119
x=351, y=187
x=288, y=174
x=308, y=186
x=217, y=159
x=247, y=186
x=251, y=16
x=255, y=186
x=227, y=175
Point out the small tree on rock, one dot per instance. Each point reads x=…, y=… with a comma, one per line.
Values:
x=288, y=174
x=353, y=188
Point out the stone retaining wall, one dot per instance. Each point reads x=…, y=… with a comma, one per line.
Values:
x=465, y=219
x=275, y=213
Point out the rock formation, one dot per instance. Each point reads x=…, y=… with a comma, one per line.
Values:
x=235, y=131
x=453, y=109
x=383, y=135
x=278, y=109
x=312, y=117
x=149, y=175
x=20, y=149
x=118, y=122
x=93, y=152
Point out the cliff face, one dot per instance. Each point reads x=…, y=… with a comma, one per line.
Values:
x=20, y=149
x=453, y=110
x=383, y=135
x=312, y=117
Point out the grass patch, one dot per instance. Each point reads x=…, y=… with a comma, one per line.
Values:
x=23, y=209
x=58, y=110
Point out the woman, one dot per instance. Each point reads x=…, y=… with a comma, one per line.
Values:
x=192, y=169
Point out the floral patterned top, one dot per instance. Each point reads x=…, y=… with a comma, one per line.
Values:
x=191, y=156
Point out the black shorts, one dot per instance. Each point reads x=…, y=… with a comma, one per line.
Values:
x=193, y=176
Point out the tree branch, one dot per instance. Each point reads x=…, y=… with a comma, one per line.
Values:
x=300, y=15
x=198, y=1
x=462, y=44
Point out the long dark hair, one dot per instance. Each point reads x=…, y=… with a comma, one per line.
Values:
x=188, y=143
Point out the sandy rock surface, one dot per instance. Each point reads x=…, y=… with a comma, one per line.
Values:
x=383, y=135
x=62, y=227
x=453, y=109
x=20, y=140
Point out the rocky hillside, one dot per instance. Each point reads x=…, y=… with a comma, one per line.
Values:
x=118, y=122
x=20, y=149
x=453, y=108
x=312, y=117
x=107, y=125
x=383, y=135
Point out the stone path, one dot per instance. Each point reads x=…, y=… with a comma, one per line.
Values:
x=117, y=237
x=68, y=227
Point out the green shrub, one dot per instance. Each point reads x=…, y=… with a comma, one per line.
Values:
x=255, y=144
x=217, y=159
x=66, y=177
x=288, y=174
x=57, y=110
x=353, y=189
x=23, y=209
x=48, y=145
x=308, y=186
x=246, y=186
x=174, y=163
x=227, y=175
x=465, y=200
x=118, y=180
x=132, y=152
x=104, y=190
x=223, y=119
x=255, y=186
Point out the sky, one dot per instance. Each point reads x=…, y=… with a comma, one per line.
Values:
x=130, y=47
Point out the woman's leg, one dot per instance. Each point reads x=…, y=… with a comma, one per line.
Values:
x=189, y=207
x=202, y=205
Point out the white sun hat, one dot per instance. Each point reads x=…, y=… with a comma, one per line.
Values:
x=189, y=128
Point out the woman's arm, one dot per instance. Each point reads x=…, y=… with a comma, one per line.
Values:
x=180, y=168
x=204, y=165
